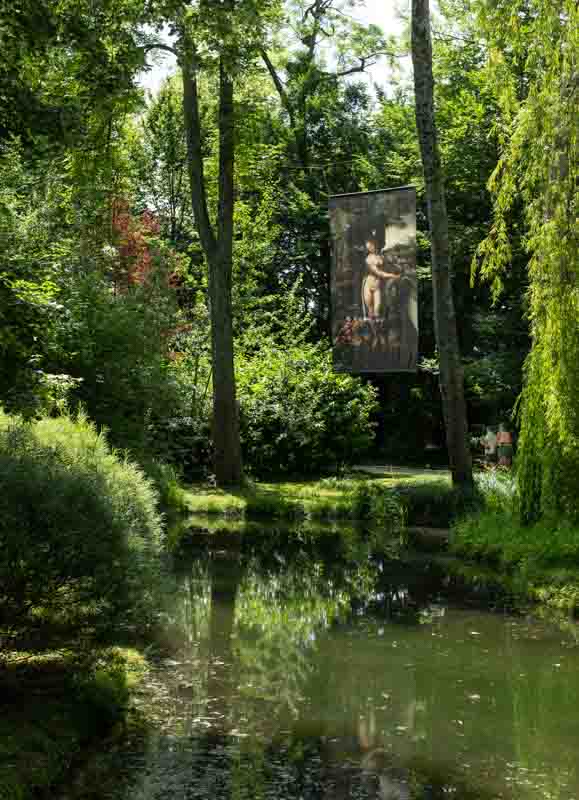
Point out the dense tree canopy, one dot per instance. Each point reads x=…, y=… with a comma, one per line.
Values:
x=285, y=116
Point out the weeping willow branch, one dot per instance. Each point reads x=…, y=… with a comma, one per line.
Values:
x=538, y=166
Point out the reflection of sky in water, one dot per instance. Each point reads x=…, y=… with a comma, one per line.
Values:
x=334, y=678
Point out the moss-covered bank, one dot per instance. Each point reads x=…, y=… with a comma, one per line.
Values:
x=538, y=564
x=51, y=711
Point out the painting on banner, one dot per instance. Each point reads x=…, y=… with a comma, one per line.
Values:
x=374, y=289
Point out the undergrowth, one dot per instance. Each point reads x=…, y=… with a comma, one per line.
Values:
x=50, y=712
x=81, y=539
x=80, y=534
x=538, y=562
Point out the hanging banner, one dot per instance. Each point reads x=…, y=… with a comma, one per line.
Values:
x=374, y=290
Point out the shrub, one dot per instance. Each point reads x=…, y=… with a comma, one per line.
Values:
x=537, y=562
x=28, y=290
x=435, y=503
x=374, y=502
x=166, y=480
x=500, y=537
x=497, y=489
x=297, y=415
x=115, y=346
x=56, y=711
x=181, y=435
x=184, y=442
x=79, y=531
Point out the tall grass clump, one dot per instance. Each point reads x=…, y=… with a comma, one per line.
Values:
x=435, y=504
x=497, y=489
x=80, y=534
x=373, y=502
x=537, y=561
x=167, y=483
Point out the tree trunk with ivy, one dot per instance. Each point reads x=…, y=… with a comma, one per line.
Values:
x=451, y=371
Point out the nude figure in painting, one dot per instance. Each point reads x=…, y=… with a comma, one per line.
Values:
x=374, y=281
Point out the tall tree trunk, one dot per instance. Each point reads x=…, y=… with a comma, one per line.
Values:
x=451, y=372
x=226, y=442
x=218, y=251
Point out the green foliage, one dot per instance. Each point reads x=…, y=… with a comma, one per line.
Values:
x=71, y=329
x=390, y=502
x=374, y=502
x=537, y=562
x=181, y=435
x=63, y=63
x=116, y=346
x=75, y=708
x=497, y=536
x=167, y=482
x=104, y=689
x=533, y=68
x=79, y=530
x=297, y=414
x=497, y=488
x=159, y=166
x=62, y=313
x=435, y=504
x=28, y=288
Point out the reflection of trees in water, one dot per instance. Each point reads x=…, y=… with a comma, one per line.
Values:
x=296, y=768
x=371, y=707
x=225, y=577
x=279, y=622
x=310, y=668
x=257, y=618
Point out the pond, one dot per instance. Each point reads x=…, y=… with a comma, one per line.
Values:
x=315, y=664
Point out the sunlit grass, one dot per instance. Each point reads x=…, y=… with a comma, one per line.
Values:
x=352, y=497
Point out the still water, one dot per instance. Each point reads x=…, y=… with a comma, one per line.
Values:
x=312, y=664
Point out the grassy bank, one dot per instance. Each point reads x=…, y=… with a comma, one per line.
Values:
x=51, y=712
x=538, y=563
x=415, y=498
